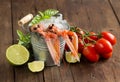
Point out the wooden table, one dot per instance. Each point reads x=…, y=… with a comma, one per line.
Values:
x=91, y=15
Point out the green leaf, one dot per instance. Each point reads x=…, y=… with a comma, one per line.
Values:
x=43, y=15
x=20, y=34
x=24, y=39
x=50, y=12
x=46, y=17
x=35, y=20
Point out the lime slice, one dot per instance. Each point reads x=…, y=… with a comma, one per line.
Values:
x=70, y=58
x=17, y=54
x=36, y=66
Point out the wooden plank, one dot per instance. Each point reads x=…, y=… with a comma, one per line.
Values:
x=52, y=74
x=20, y=8
x=96, y=13
x=58, y=74
x=115, y=4
x=71, y=9
x=6, y=70
x=22, y=74
x=66, y=74
x=41, y=5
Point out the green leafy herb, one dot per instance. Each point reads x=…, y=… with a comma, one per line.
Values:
x=50, y=12
x=24, y=39
x=43, y=15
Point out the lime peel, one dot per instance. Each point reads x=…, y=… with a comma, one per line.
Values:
x=36, y=66
x=17, y=54
x=70, y=58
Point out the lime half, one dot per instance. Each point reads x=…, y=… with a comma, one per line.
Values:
x=70, y=58
x=17, y=54
x=36, y=66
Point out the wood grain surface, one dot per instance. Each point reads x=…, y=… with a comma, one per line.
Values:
x=90, y=15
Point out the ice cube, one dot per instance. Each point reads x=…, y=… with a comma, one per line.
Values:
x=57, y=21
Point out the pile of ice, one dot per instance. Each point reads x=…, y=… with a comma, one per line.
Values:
x=57, y=21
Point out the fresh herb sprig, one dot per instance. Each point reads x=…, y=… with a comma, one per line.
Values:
x=24, y=39
x=43, y=15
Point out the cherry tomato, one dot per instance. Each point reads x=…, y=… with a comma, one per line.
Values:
x=90, y=53
x=110, y=37
x=107, y=55
x=93, y=36
x=103, y=46
x=80, y=45
x=87, y=40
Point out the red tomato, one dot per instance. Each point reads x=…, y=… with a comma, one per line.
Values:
x=110, y=37
x=87, y=40
x=103, y=46
x=90, y=53
x=106, y=56
x=80, y=45
x=93, y=36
